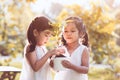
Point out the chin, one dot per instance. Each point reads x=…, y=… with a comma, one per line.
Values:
x=40, y=44
x=69, y=42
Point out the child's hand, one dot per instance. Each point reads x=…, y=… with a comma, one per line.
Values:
x=51, y=63
x=60, y=51
x=56, y=51
x=66, y=64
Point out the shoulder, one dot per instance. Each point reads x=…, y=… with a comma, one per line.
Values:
x=85, y=50
x=84, y=47
x=27, y=53
x=30, y=55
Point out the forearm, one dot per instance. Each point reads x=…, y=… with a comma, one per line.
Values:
x=39, y=63
x=80, y=69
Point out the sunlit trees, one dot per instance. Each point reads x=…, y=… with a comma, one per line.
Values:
x=103, y=34
x=15, y=17
x=101, y=26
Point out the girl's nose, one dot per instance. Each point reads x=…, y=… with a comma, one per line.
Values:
x=47, y=38
x=49, y=35
x=69, y=33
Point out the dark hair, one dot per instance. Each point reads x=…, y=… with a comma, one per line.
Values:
x=81, y=28
x=40, y=24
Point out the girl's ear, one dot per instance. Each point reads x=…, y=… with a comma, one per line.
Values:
x=35, y=32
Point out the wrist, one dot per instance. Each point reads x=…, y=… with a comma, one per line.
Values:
x=50, y=54
x=71, y=66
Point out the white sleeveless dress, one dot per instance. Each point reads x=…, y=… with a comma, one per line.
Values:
x=75, y=59
x=27, y=72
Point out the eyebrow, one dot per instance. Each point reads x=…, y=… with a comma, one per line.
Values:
x=47, y=32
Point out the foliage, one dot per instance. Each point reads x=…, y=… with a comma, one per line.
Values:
x=100, y=26
x=13, y=25
x=102, y=74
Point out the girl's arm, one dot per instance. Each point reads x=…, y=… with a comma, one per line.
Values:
x=84, y=63
x=35, y=63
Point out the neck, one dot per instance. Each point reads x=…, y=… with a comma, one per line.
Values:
x=39, y=45
x=73, y=45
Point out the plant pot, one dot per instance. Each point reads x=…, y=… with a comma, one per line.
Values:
x=58, y=62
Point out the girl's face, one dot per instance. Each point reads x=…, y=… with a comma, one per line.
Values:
x=43, y=37
x=71, y=33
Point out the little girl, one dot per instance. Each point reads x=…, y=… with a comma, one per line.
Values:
x=75, y=40
x=36, y=57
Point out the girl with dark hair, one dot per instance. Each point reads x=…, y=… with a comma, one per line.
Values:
x=75, y=41
x=36, y=58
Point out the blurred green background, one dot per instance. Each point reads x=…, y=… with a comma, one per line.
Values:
x=102, y=18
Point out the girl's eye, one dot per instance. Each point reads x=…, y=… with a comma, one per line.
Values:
x=72, y=31
x=48, y=35
x=65, y=31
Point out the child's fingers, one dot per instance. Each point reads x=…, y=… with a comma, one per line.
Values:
x=60, y=51
x=57, y=51
x=66, y=63
x=51, y=63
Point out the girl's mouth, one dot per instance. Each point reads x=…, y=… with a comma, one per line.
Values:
x=69, y=38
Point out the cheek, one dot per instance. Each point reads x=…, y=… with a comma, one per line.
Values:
x=76, y=36
x=64, y=36
x=41, y=39
x=45, y=39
